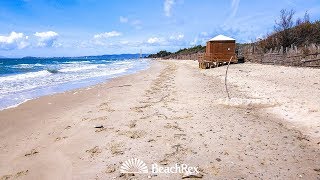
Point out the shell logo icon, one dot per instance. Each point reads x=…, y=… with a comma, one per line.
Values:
x=134, y=165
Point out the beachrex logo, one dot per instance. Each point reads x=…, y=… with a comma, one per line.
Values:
x=177, y=168
x=136, y=165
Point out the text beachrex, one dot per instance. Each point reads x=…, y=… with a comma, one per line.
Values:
x=135, y=165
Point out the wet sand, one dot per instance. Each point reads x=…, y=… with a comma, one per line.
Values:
x=171, y=113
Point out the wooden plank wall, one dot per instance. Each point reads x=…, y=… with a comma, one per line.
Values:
x=308, y=56
x=222, y=50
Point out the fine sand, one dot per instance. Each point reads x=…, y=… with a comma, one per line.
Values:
x=171, y=113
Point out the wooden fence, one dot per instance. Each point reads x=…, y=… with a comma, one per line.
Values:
x=308, y=56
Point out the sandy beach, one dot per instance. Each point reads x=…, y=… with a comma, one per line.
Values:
x=171, y=113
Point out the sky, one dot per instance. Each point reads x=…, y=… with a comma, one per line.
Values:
x=46, y=28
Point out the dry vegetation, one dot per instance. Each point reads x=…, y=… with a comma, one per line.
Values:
x=300, y=33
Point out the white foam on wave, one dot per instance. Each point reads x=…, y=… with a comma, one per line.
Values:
x=24, y=76
x=26, y=66
x=72, y=75
x=76, y=62
x=78, y=68
x=66, y=73
x=125, y=62
x=105, y=60
x=15, y=105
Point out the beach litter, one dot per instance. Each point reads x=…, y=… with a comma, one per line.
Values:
x=99, y=126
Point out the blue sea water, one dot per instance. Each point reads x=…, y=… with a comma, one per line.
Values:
x=29, y=78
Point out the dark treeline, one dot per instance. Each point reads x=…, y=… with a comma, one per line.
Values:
x=160, y=54
x=184, y=51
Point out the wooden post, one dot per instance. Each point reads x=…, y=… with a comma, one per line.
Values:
x=225, y=79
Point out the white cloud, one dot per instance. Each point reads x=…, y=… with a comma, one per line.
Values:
x=154, y=40
x=201, y=38
x=248, y=28
x=234, y=7
x=47, y=39
x=168, y=6
x=46, y=35
x=204, y=33
x=133, y=22
x=101, y=39
x=245, y=28
x=107, y=35
x=291, y=2
x=14, y=41
x=123, y=19
x=173, y=40
x=176, y=40
x=177, y=37
x=124, y=42
x=136, y=22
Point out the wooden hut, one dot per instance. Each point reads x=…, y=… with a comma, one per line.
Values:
x=219, y=50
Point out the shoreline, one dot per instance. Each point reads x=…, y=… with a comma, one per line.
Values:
x=76, y=87
x=171, y=113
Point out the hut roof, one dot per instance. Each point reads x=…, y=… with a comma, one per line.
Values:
x=222, y=38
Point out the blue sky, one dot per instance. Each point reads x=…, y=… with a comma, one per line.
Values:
x=95, y=27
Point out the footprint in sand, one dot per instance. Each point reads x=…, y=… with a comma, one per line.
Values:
x=85, y=119
x=60, y=138
x=15, y=176
x=31, y=153
x=248, y=102
x=133, y=134
x=139, y=109
x=132, y=124
x=94, y=151
x=164, y=161
x=174, y=126
x=116, y=149
x=102, y=118
x=100, y=129
x=105, y=107
x=111, y=168
x=180, y=136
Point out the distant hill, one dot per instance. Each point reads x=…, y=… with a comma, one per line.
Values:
x=106, y=56
x=115, y=56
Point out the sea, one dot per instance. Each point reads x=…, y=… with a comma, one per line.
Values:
x=29, y=78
